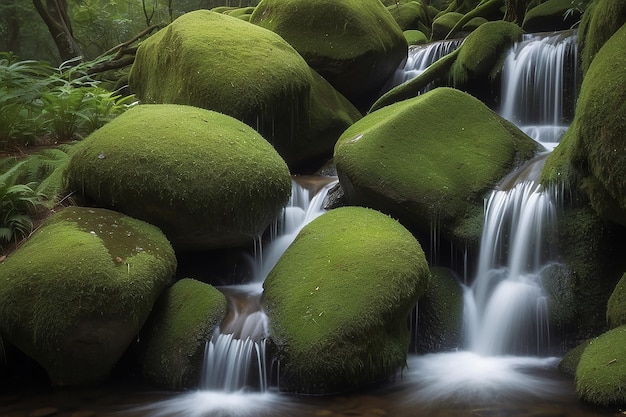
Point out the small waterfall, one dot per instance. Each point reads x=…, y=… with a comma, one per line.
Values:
x=539, y=84
x=235, y=358
x=421, y=57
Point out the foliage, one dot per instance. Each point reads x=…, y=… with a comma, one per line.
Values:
x=40, y=103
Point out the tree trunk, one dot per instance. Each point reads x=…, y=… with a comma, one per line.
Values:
x=54, y=14
x=13, y=28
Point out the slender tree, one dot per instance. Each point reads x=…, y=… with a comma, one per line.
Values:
x=54, y=14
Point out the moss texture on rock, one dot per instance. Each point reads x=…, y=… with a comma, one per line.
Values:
x=601, y=372
x=487, y=9
x=593, y=155
x=173, y=340
x=354, y=44
x=221, y=63
x=443, y=25
x=410, y=15
x=553, y=15
x=440, y=319
x=616, y=306
x=415, y=37
x=484, y=51
x=75, y=295
x=602, y=18
x=206, y=179
x=338, y=300
x=571, y=359
x=430, y=160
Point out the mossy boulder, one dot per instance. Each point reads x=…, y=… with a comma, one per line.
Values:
x=338, y=301
x=616, y=306
x=221, y=63
x=483, y=52
x=415, y=37
x=354, y=44
x=486, y=9
x=430, y=161
x=593, y=155
x=75, y=295
x=600, y=21
x=571, y=359
x=553, y=15
x=440, y=313
x=443, y=24
x=206, y=179
x=410, y=15
x=174, y=338
x=601, y=372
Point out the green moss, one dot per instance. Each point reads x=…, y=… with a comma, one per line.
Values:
x=570, y=361
x=415, y=37
x=409, y=15
x=599, y=22
x=429, y=158
x=84, y=274
x=173, y=340
x=488, y=9
x=616, y=307
x=440, y=320
x=443, y=25
x=473, y=24
x=204, y=178
x=553, y=15
x=601, y=372
x=341, y=294
x=484, y=50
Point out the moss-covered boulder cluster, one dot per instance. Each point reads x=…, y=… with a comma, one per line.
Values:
x=338, y=301
x=76, y=294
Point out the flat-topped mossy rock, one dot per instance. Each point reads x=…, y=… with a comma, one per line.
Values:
x=601, y=371
x=173, y=340
x=430, y=160
x=206, y=179
x=553, y=15
x=354, y=44
x=222, y=63
x=592, y=154
x=338, y=300
x=75, y=295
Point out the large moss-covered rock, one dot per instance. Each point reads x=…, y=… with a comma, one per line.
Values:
x=354, y=44
x=443, y=25
x=221, y=63
x=338, y=301
x=429, y=161
x=75, y=295
x=553, y=15
x=601, y=372
x=440, y=314
x=602, y=18
x=616, y=307
x=593, y=151
x=174, y=338
x=206, y=179
x=410, y=15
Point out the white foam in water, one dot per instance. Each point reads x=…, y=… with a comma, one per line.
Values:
x=468, y=377
x=217, y=404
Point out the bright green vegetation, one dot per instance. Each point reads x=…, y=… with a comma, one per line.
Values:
x=601, y=20
x=616, y=307
x=354, y=44
x=593, y=153
x=75, y=295
x=415, y=37
x=338, y=299
x=43, y=104
x=601, y=372
x=173, y=340
x=430, y=160
x=206, y=179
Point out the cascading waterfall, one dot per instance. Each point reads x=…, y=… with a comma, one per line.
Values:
x=235, y=357
x=538, y=77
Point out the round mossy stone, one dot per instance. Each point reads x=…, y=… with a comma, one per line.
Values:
x=616, y=306
x=443, y=24
x=338, y=300
x=553, y=15
x=206, y=179
x=600, y=21
x=430, y=160
x=409, y=15
x=415, y=37
x=354, y=44
x=601, y=372
x=222, y=63
x=173, y=340
x=75, y=295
